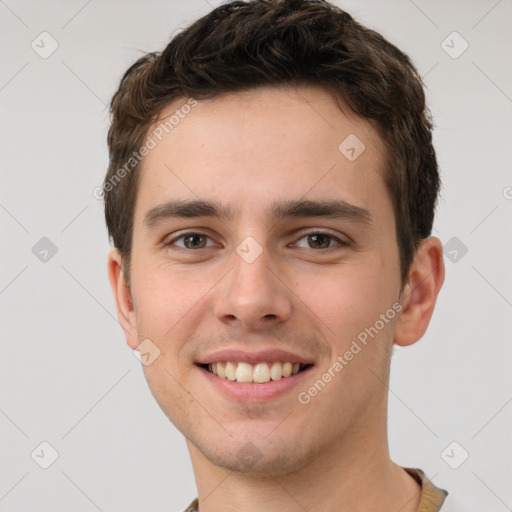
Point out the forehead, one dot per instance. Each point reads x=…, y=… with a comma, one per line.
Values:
x=265, y=143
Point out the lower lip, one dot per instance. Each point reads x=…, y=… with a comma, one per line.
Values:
x=255, y=392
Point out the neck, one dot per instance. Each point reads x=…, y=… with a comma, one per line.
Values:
x=355, y=475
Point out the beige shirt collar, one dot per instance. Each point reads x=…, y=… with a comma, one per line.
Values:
x=431, y=498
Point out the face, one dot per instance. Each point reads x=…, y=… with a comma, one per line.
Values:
x=288, y=255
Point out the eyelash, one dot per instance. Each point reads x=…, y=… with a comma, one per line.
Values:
x=170, y=244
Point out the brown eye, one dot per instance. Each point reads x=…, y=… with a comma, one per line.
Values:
x=320, y=240
x=190, y=241
x=194, y=241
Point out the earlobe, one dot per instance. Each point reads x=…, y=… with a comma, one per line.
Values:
x=122, y=297
x=426, y=276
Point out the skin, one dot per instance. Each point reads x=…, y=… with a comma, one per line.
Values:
x=247, y=150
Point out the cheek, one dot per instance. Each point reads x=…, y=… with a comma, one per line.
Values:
x=347, y=298
x=169, y=301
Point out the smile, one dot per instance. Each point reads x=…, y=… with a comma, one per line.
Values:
x=259, y=373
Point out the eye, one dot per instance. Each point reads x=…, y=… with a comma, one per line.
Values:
x=320, y=240
x=196, y=240
x=191, y=240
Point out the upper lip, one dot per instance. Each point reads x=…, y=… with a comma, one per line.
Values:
x=239, y=355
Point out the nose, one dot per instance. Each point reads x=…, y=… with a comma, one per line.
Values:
x=253, y=296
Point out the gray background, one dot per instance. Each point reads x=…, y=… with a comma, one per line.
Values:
x=67, y=376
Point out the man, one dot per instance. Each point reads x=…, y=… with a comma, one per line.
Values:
x=270, y=196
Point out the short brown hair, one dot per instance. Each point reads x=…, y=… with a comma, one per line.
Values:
x=242, y=45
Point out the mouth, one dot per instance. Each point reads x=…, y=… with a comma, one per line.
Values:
x=259, y=373
x=254, y=376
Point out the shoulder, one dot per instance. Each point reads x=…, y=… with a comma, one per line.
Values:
x=432, y=497
x=193, y=506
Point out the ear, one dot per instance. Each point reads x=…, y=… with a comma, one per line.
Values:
x=419, y=296
x=122, y=297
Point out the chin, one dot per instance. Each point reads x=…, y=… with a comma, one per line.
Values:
x=253, y=457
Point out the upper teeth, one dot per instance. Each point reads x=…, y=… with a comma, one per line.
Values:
x=261, y=372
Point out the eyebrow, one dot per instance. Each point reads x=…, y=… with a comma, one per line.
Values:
x=334, y=209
